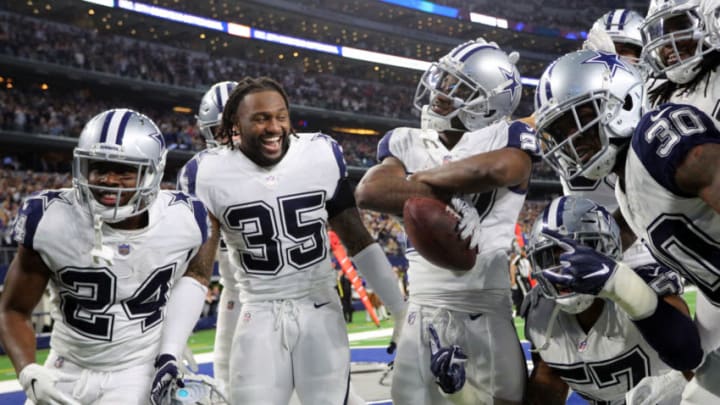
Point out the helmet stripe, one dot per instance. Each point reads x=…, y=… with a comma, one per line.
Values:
x=106, y=126
x=218, y=98
x=623, y=18
x=609, y=20
x=121, y=128
x=463, y=56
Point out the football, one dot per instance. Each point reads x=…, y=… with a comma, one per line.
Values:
x=431, y=226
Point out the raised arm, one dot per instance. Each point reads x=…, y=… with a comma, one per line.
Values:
x=479, y=173
x=699, y=174
x=385, y=188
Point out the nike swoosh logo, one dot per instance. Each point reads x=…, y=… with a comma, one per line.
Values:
x=604, y=270
x=32, y=385
x=322, y=304
x=654, y=117
x=475, y=316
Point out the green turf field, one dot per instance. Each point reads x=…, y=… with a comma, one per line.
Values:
x=202, y=341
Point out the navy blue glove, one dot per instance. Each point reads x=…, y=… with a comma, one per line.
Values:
x=582, y=269
x=167, y=377
x=447, y=364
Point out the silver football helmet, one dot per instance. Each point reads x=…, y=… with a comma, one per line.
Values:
x=125, y=137
x=623, y=28
x=587, y=105
x=211, y=108
x=479, y=82
x=579, y=219
x=677, y=36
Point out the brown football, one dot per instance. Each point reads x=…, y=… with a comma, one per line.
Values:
x=431, y=226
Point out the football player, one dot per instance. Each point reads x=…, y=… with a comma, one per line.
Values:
x=591, y=339
x=682, y=41
x=128, y=266
x=208, y=121
x=274, y=194
x=618, y=31
x=466, y=148
x=590, y=115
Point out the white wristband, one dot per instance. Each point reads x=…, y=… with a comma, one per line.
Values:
x=373, y=264
x=631, y=293
x=183, y=310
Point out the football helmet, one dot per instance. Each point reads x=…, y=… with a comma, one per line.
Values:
x=623, y=28
x=198, y=389
x=579, y=219
x=587, y=105
x=125, y=137
x=477, y=79
x=211, y=108
x=676, y=35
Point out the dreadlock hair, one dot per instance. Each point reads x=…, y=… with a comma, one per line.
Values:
x=661, y=94
x=247, y=85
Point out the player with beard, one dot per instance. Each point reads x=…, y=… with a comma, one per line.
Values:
x=274, y=194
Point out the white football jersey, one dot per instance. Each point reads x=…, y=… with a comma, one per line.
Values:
x=274, y=219
x=420, y=149
x=681, y=230
x=601, y=365
x=109, y=316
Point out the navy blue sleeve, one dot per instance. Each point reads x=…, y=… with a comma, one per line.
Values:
x=661, y=279
x=27, y=221
x=666, y=135
x=343, y=197
x=522, y=136
x=383, y=149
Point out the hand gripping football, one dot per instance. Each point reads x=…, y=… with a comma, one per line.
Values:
x=432, y=228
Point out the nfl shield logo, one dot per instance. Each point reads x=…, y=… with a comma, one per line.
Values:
x=59, y=362
x=230, y=305
x=411, y=318
x=124, y=249
x=247, y=317
x=582, y=346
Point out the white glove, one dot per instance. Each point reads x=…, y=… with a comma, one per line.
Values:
x=653, y=389
x=599, y=40
x=39, y=385
x=469, y=222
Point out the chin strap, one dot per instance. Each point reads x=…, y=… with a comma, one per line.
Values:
x=549, y=330
x=99, y=251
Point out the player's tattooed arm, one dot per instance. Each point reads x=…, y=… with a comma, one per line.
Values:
x=201, y=265
x=385, y=188
x=627, y=236
x=544, y=386
x=699, y=174
x=480, y=173
x=24, y=286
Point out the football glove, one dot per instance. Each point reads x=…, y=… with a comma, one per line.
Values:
x=198, y=389
x=38, y=382
x=582, y=269
x=167, y=378
x=447, y=364
x=654, y=389
x=469, y=226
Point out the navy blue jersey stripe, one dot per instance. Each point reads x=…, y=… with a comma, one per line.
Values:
x=559, y=212
x=383, y=149
x=201, y=218
x=32, y=210
x=190, y=174
x=106, y=126
x=338, y=153
x=122, y=127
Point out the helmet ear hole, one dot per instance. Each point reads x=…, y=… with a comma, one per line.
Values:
x=628, y=104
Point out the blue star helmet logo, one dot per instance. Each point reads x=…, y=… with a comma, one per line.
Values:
x=513, y=85
x=610, y=60
x=158, y=137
